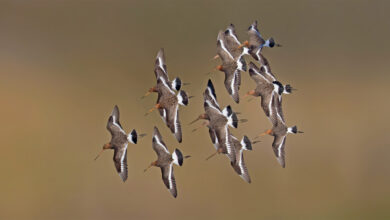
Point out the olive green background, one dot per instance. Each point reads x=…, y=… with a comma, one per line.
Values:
x=65, y=64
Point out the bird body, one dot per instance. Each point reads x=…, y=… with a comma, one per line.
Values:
x=165, y=161
x=279, y=131
x=118, y=143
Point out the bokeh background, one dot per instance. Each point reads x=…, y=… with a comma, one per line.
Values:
x=65, y=64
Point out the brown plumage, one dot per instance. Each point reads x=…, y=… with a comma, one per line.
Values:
x=230, y=67
x=165, y=161
x=233, y=46
x=264, y=87
x=256, y=40
x=160, y=70
x=118, y=143
x=279, y=131
x=239, y=166
x=168, y=106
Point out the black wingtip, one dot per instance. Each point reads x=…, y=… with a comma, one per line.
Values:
x=229, y=110
x=247, y=143
x=235, y=120
x=176, y=84
x=271, y=42
x=183, y=98
x=211, y=86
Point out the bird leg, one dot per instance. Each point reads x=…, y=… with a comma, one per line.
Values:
x=202, y=116
x=212, y=155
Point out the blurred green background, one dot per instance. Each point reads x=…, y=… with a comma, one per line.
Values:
x=65, y=64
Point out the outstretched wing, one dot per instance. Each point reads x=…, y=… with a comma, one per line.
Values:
x=240, y=166
x=267, y=105
x=210, y=95
x=158, y=144
x=275, y=108
x=160, y=62
x=225, y=142
x=232, y=83
x=257, y=55
x=257, y=75
x=213, y=138
x=159, y=72
x=113, y=124
x=222, y=50
x=120, y=161
x=231, y=37
x=169, y=179
x=278, y=146
x=255, y=38
x=173, y=121
x=232, y=43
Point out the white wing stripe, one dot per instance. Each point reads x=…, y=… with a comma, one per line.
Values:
x=233, y=82
x=123, y=159
x=224, y=48
x=114, y=122
x=241, y=164
x=212, y=96
x=166, y=85
x=280, y=147
x=234, y=36
x=175, y=119
x=270, y=104
x=212, y=106
x=170, y=176
x=227, y=143
x=261, y=75
x=160, y=63
x=160, y=144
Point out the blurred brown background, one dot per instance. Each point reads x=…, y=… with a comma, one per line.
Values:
x=65, y=64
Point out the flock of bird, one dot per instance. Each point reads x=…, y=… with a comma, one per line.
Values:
x=170, y=96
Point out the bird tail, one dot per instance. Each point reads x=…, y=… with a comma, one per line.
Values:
x=176, y=84
x=183, y=98
x=246, y=143
x=177, y=157
x=132, y=136
x=231, y=116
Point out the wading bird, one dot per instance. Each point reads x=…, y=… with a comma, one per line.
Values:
x=165, y=161
x=279, y=131
x=256, y=40
x=118, y=143
x=266, y=87
x=168, y=106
